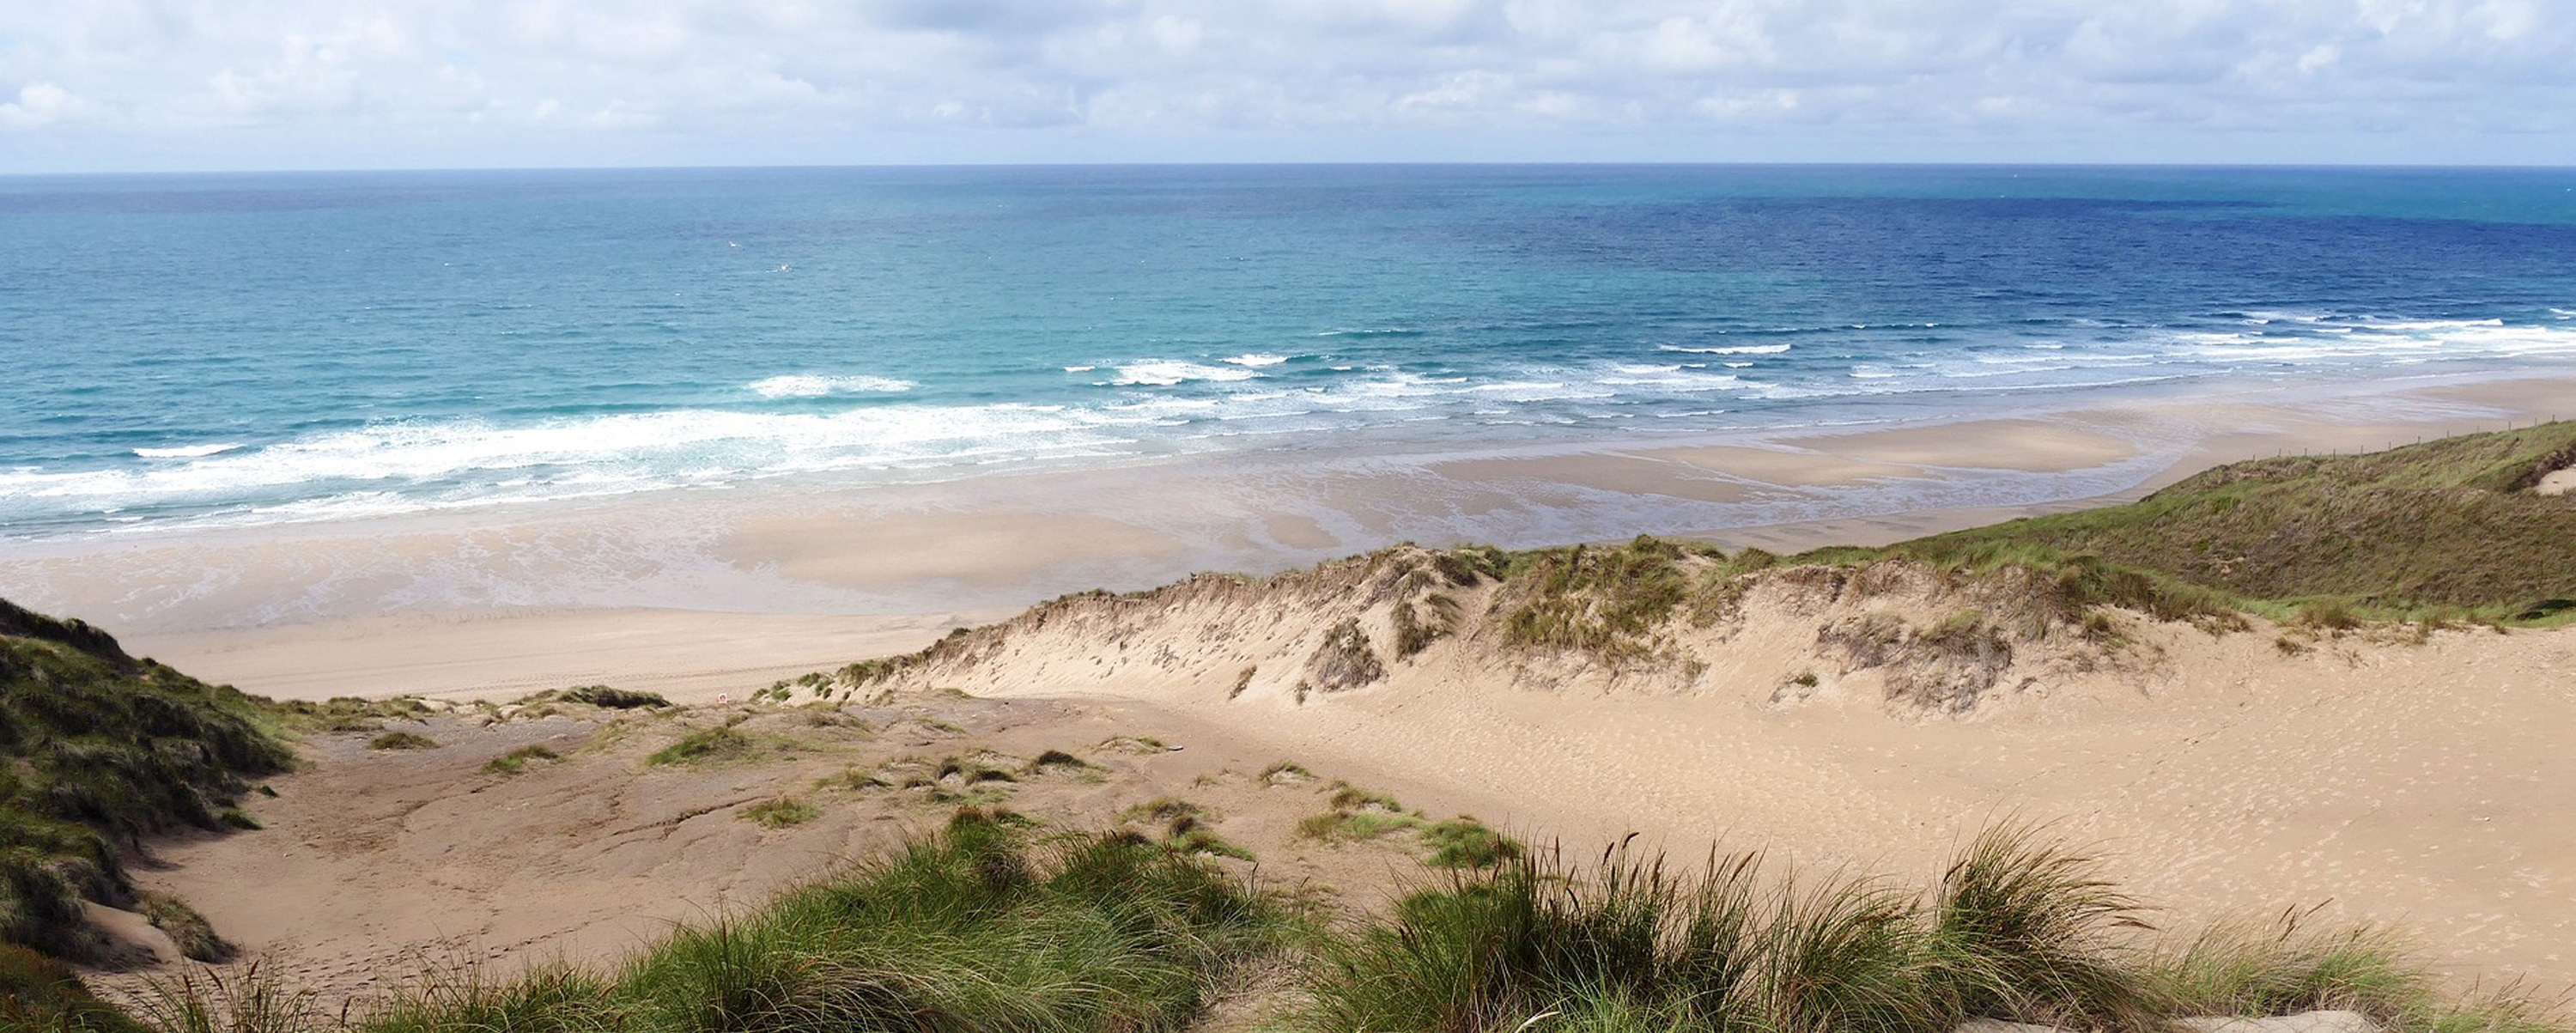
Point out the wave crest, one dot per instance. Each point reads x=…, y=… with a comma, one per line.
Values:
x=808, y=385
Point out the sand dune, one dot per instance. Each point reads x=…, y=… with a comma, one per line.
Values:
x=2411, y=782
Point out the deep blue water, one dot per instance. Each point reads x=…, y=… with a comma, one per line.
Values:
x=243, y=348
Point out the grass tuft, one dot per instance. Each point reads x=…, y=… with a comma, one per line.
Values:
x=706, y=746
x=2025, y=930
x=402, y=741
x=1464, y=842
x=783, y=812
x=190, y=931
x=40, y=993
x=613, y=698
x=513, y=762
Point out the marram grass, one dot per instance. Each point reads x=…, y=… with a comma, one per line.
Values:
x=985, y=925
x=2017, y=930
x=990, y=926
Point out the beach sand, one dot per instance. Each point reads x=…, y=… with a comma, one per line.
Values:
x=2422, y=785
x=707, y=592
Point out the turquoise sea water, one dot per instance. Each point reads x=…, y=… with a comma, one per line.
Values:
x=208, y=350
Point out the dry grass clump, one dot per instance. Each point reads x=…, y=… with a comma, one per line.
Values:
x=1186, y=827
x=1132, y=744
x=1606, y=602
x=1419, y=623
x=1285, y=773
x=1344, y=660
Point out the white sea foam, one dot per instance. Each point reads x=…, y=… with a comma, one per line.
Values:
x=1740, y=349
x=1672, y=376
x=187, y=451
x=1167, y=372
x=2434, y=324
x=1256, y=359
x=808, y=385
x=1080, y=369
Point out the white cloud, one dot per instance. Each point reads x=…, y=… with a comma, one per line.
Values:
x=479, y=82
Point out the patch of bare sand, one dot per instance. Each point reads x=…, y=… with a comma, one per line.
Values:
x=2040, y=446
x=1628, y=475
x=374, y=864
x=684, y=655
x=976, y=547
x=1804, y=468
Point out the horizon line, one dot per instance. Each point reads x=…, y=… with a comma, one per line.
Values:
x=1577, y=163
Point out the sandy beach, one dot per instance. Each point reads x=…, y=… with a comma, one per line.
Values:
x=2383, y=781
x=707, y=592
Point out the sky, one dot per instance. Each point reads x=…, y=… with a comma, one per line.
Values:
x=171, y=85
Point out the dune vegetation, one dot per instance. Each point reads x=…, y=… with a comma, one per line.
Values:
x=100, y=750
x=2017, y=930
x=995, y=923
x=2447, y=527
x=987, y=924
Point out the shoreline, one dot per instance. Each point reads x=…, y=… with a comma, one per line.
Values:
x=726, y=592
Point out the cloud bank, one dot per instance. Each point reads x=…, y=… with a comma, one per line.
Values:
x=144, y=84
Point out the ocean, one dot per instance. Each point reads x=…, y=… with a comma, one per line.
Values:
x=218, y=350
